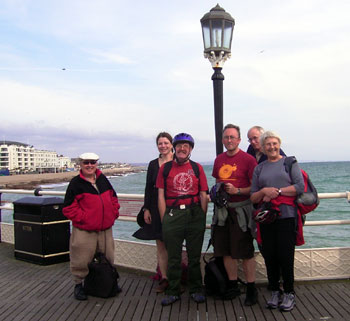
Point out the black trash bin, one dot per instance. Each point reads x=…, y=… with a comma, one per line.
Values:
x=41, y=230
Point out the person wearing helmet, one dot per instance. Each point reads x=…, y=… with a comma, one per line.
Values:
x=183, y=154
x=92, y=205
x=182, y=200
x=233, y=233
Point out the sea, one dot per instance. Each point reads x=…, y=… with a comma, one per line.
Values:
x=328, y=177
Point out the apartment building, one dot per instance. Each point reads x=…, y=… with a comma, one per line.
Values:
x=21, y=157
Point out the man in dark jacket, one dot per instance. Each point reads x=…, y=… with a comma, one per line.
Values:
x=92, y=205
x=254, y=148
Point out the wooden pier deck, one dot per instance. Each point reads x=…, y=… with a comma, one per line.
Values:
x=34, y=292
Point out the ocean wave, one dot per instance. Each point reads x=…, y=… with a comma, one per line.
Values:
x=53, y=186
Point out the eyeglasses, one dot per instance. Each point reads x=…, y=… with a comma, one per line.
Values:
x=253, y=138
x=183, y=145
x=230, y=137
x=87, y=162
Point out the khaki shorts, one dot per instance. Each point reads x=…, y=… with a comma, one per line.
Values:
x=230, y=240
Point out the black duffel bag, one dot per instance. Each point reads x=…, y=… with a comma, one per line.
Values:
x=102, y=280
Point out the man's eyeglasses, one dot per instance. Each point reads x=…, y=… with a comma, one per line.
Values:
x=230, y=137
x=253, y=138
x=87, y=162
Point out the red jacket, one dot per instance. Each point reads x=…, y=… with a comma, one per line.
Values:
x=89, y=209
x=288, y=200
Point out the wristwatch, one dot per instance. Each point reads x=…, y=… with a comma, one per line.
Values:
x=238, y=191
x=279, y=191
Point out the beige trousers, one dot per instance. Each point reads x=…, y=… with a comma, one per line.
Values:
x=83, y=245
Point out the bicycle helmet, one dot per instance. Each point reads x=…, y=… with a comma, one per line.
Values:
x=183, y=138
x=266, y=214
x=219, y=196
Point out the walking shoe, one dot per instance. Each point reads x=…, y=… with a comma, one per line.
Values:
x=251, y=297
x=274, y=301
x=118, y=289
x=288, y=302
x=198, y=297
x=79, y=292
x=169, y=299
x=162, y=286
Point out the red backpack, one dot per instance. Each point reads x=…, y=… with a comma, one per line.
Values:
x=308, y=200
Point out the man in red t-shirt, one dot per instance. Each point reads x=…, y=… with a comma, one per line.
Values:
x=232, y=237
x=183, y=201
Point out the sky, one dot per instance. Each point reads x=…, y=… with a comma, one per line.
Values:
x=107, y=76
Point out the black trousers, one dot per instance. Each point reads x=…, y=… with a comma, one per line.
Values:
x=278, y=242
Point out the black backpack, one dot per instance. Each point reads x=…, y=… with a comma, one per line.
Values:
x=215, y=277
x=102, y=280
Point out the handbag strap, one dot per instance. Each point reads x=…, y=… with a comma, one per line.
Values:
x=209, y=243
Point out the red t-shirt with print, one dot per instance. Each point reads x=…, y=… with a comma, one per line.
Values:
x=237, y=170
x=182, y=181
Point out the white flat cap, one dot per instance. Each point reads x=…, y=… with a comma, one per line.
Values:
x=89, y=156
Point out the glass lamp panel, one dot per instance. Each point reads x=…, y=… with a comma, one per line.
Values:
x=206, y=34
x=216, y=33
x=227, y=35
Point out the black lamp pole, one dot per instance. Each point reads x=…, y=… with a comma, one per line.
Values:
x=218, y=79
x=217, y=29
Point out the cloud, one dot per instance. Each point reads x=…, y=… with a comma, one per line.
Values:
x=132, y=70
x=109, y=57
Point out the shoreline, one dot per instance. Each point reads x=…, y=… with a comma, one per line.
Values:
x=33, y=181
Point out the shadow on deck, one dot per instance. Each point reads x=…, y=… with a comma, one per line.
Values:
x=34, y=292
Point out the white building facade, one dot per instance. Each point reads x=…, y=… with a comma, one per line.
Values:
x=20, y=157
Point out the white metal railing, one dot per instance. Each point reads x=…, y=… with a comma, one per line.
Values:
x=310, y=264
x=140, y=197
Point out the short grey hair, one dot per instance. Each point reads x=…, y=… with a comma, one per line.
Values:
x=258, y=128
x=266, y=135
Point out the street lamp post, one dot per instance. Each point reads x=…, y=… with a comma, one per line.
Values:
x=217, y=30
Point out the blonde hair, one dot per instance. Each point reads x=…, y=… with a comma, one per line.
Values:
x=266, y=135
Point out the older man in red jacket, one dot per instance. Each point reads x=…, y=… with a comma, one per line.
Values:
x=92, y=205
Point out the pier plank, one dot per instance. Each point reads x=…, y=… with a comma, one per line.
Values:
x=340, y=296
x=332, y=307
x=34, y=292
x=112, y=312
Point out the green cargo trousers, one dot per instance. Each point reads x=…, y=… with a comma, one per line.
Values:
x=179, y=225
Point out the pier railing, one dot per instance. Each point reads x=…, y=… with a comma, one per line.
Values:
x=131, y=204
x=310, y=264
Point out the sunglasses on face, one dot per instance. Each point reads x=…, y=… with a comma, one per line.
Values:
x=87, y=162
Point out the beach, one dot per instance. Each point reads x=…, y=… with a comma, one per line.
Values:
x=32, y=181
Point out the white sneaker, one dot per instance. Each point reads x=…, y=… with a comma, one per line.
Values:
x=274, y=301
x=288, y=302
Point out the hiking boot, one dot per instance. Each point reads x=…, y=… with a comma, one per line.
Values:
x=162, y=286
x=169, y=299
x=198, y=297
x=288, y=302
x=274, y=301
x=79, y=292
x=251, y=297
